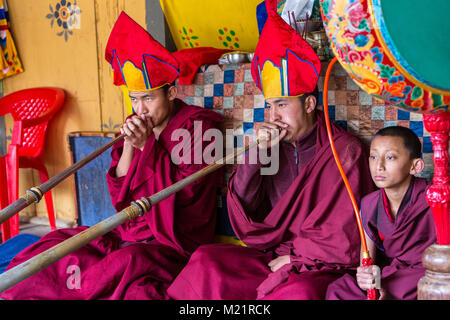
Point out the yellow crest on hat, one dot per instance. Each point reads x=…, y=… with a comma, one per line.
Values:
x=134, y=77
x=274, y=80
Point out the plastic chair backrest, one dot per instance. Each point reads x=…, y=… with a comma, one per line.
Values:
x=31, y=110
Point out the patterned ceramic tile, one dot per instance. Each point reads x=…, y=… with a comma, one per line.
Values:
x=351, y=85
x=352, y=98
x=340, y=83
x=238, y=102
x=250, y=88
x=340, y=97
x=218, y=102
x=331, y=97
x=199, y=91
x=228, y=102
x=208, y=90
x=239, y=89
x=390, y=113
x=199, y=79
x=365, y=113
x=353, y=112
x=218, y=77
x=209, y=78
x=258, y=101
x=248, y=101
x=377, y=112
x=230, y=90
x=365, y=99
x=340, y=112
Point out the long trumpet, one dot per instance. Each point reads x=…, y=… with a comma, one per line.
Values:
x=35, y=194
x=28, y=268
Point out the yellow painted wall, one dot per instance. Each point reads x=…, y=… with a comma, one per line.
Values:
x=78, y=66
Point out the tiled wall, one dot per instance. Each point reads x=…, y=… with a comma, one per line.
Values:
x=230, y=90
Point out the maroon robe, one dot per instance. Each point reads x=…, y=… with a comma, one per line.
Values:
x=399, y=255
x=139, y=259
x=311, y=219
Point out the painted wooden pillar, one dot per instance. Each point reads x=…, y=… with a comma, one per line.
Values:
x=435, y=285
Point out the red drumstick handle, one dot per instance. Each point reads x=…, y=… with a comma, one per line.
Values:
x=372, y=294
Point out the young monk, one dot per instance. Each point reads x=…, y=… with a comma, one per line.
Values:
x=397, y=220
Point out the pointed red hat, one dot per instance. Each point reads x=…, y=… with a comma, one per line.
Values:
x=284, y=64
x=138, y=61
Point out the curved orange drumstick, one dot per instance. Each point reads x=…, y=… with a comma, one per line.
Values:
x=372, y=294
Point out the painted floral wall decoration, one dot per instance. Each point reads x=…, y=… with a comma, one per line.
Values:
x=111, y=126
x=67, y=16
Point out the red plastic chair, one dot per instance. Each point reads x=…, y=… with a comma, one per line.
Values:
x=5, y=227
x=31, y=110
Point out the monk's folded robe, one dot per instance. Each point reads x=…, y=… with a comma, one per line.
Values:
x=139, y=259
x=400, y=244
x=303, y=211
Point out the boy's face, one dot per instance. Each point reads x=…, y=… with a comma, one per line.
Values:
x=155, y=103
x=390, y=163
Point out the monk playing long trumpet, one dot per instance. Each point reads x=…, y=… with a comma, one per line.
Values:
x=298, y=223
x=139, y=259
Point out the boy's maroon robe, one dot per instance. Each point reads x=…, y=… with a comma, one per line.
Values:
x=399, y=255
x=139, y=259
x=313, y=222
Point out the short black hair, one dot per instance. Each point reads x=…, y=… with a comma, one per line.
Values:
x=166, y=87
x=314, y=93
x=410, y=139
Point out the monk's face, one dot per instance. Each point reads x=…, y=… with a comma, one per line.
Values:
x=154, y=103
x=390, y=163
x=291, y=111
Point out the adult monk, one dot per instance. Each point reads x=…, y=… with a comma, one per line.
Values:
x=298, y=224
x=139, y=259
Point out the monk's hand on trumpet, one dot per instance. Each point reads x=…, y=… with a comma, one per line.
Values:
x=270, y=134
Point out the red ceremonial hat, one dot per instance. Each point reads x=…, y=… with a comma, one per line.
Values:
x=138, y=61
x=284, y=64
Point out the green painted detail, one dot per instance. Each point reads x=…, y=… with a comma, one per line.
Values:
x=416, y=93
x=437, y=100
x=363, y=25
x=386, y=71
x=419, y=30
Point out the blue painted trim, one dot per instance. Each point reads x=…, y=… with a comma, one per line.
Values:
x=153, y=57
x=146, y=79
x=259, y=74
x=149, y=55
x=315, y=70
x=144, y=72
x=287, y=75
x=134, y=66
x=120, y=66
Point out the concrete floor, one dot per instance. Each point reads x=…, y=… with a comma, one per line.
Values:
x=36, y=229
x=39, y=225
